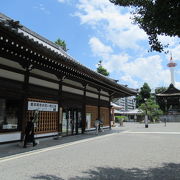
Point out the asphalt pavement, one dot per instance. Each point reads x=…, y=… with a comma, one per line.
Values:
x=9, y=149
x=131, y=152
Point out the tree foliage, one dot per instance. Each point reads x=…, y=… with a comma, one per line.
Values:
x=144, y=93
x=160, y=90
x=151, y=108
x=160, y=101
x=155, y=17
x=102, y=70
x=61, y=43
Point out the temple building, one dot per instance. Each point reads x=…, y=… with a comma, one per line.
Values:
x=39, y=79
x=169, y=100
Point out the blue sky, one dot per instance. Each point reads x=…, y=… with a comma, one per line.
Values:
x=97, y=30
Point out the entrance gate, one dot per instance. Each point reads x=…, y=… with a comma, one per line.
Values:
x=71, y=123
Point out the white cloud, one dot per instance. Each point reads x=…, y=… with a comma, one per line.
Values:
x=61, y=1
x=130, y=80
x=128, y=38
x=146, y=69
x=167, y=40
x=115, y=62
x=123, y=46
x=64, y=1
x=177, y=85
x=114, y=24
x=98, y=48
x=175, y=53
x=42, y=8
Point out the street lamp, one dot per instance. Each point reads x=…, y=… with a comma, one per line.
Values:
x=146, y=116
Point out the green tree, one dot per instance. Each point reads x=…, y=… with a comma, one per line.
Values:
x=61, y=43
x=160, y=90
x=144, y=93
x=160, y=101
x=155, y=17
x=152, y=109
x=102, y=70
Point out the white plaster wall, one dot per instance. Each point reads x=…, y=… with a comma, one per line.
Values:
x=91, y=88
x=11, y=75
x=44, y=74
x=43, y=83
x=91, y=95
x=68, y=81
x=103, y=92
x=45, y=134
x=72, y=90
x=10, y=63
x=104, y=98
x=15, y=136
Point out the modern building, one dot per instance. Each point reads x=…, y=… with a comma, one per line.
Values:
x=38, y=78
x=128, y=109
x=127, y=103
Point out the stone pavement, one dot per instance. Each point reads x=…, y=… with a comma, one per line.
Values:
x=17, y=147
x=133, y=152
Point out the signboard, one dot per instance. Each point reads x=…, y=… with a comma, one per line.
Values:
x=41, y=106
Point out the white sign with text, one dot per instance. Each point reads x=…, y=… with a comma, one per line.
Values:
x=40, y=106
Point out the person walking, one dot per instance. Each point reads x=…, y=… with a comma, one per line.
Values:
x=96, y=124
x=29, y=133
x=101, y=126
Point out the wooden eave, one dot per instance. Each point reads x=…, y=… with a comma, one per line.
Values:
x=170, y=92
x=168, y=95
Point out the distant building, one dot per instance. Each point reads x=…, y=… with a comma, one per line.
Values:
x=127, y=103
x=170, y=98
x=128, y=109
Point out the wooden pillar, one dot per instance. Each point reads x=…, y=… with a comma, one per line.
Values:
x=27, y=68
x=110, y=108
x=110, y=115
x=84, y=109
x=99, y=106
x=77, y=121
x=60, y=110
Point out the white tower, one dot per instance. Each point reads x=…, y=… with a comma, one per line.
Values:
x=171, y=65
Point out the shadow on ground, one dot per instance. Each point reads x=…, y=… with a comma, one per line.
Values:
x=47, y=177
x=169, y=171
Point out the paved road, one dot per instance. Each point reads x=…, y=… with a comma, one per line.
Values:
x=136, y=153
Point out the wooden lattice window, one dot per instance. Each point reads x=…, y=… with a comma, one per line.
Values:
x=104, y=113
x=47, y=120
x=94, y=113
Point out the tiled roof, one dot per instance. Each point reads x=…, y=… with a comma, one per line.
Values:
x=171, y=91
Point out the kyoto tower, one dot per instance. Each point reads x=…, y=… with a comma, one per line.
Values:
x=171, y=65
